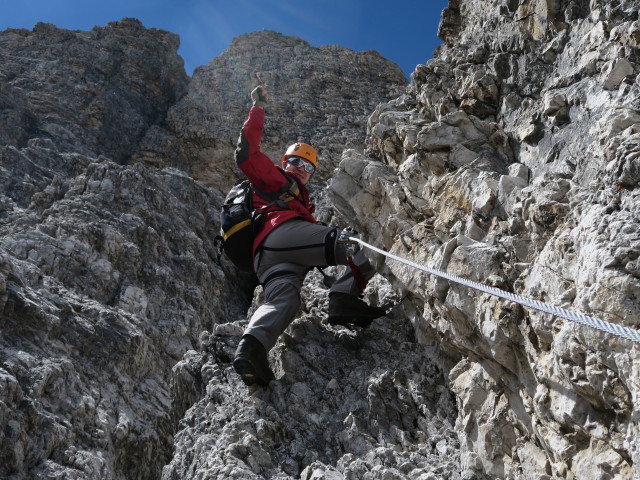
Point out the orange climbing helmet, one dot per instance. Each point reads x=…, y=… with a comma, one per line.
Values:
x=302, y=150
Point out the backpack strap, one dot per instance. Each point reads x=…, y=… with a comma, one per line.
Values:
x=282, y=196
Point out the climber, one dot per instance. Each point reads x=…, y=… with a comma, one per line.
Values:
x=288, y=243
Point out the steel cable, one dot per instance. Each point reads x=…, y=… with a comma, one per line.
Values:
x=580, y=318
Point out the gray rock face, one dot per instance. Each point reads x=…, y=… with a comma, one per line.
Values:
x=346, y=405
x=512, y=160
x=105, y=265
x=107, y=272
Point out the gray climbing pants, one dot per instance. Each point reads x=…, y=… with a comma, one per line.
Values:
x=283, y=260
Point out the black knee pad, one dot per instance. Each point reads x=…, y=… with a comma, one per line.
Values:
x=330, y=241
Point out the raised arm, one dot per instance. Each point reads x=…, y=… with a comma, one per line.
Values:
x=257, y=166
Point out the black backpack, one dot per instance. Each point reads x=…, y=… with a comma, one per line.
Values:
x=238, y=221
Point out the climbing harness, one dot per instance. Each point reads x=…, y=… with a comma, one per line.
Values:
x=580, y=318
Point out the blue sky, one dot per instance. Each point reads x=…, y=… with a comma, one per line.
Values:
x=403, y=31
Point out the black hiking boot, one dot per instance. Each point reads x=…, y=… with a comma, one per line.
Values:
x=251, y=362
x=347, y=310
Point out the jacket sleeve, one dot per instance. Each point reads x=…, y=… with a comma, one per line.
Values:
x=258, y=168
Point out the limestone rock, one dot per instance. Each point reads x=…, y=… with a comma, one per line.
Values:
x=107, y=265
x=523, y=176
x=615, y=72
x=510, y=159
x=341, y=407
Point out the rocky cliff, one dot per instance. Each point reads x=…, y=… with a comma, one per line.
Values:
x=511, y=158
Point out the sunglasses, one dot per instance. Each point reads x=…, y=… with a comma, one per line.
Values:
x=299, y=162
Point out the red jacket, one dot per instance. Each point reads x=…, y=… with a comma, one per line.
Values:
x=266, y=176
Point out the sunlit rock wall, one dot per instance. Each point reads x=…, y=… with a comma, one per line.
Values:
x=513, y=160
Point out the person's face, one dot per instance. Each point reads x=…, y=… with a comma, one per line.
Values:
x=299, y=168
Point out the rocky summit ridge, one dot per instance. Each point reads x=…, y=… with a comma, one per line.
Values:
x=512, y=158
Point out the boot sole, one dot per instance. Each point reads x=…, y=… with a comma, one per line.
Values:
x=248, y=373
x=350, y=320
